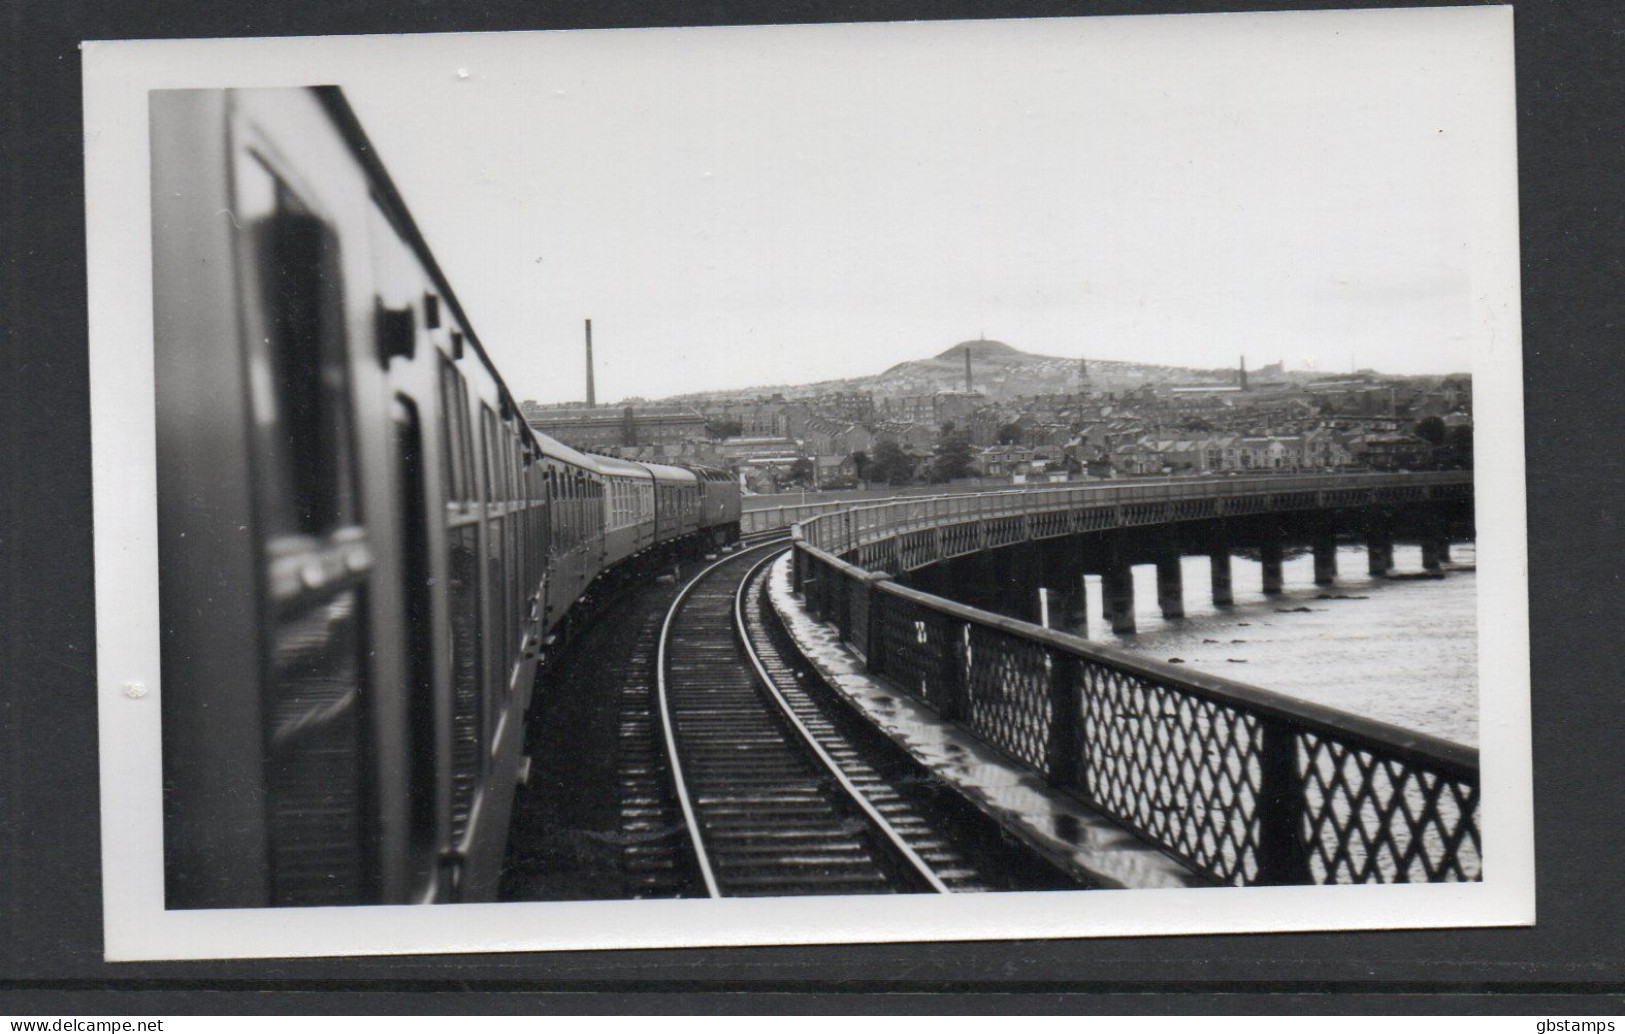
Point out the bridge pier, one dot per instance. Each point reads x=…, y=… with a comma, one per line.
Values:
x=1021, y=571
x=984, y=588
x=1170, y=585
x=1379, y=552
x=1219, y=562
x=1074, y=608
x=1069, y=608
x=1269, y=555
x=1431, y=550
x=1117, y=593
x=1325, y=549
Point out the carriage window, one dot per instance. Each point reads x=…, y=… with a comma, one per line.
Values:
x=498, y=607
x=570, y=519
x=299, y=379
x=317, y=747
x=550, y=486
x=458, y=469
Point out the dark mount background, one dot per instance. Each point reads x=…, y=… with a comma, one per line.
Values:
x=1571, y=64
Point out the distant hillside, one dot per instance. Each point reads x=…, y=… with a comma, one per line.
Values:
x=998, y=369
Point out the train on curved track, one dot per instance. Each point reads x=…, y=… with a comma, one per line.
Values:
x=364, y=551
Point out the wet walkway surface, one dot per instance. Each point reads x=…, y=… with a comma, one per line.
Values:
x=1055, y=824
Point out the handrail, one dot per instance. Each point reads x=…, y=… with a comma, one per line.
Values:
x=1457, y=759
x=1243, y=784
x=883, y=517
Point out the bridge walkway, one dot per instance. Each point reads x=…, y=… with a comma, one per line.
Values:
x=1053, y=823
x=1245, y=785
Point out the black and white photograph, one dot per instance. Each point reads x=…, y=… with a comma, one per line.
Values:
x=809, y=483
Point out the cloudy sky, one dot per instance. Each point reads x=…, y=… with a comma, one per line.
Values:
x=742, y=206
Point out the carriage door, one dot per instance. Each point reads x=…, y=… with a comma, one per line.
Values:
x=421, y=763
x=498, y=606
x=318, y=754
x=466, y=643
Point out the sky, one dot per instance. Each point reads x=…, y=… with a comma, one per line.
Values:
x=782, y=204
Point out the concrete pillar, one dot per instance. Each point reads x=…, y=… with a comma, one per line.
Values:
x=1022, y=575
x=1077, y=613
x=1117, y=595
x=1269, y=553
x=1379, y=552
x=1444, y=551
x=1170, y=585
x=1069, y=608
x=983, y=589
x=1219, y=561
x=1325, y=559
x=1430, y=554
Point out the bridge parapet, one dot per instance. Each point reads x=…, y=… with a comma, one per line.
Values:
x=1242, y=784
x=903, y=534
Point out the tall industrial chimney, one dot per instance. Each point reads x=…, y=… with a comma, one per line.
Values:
x=1243, y=373
x=967, y=367
x=592, y=396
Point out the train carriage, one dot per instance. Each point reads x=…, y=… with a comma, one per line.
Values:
x=362, y=546
x=719, y=505
x=677, y=501
x=629, y=508
x=574, y=551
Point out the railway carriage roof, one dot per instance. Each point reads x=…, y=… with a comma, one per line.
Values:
x=389, y=198
x=616, y=467
x=332, y=98
x=665, y=472
x=556, y=450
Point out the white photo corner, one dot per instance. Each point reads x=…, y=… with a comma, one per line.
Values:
x=805, y=484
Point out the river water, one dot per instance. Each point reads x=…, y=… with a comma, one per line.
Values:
x=1405, y=653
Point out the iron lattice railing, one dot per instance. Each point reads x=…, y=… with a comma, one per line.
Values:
x=1243, y=785
x=1036, y=513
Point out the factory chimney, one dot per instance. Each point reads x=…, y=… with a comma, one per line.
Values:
x=1243, y=373
x=592, y=396
x=967, y=366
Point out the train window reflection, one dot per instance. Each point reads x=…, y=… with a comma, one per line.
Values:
x=454, y=435
x=316, y=776
x=299, y=373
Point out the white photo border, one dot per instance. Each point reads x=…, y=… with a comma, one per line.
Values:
x=117, y=78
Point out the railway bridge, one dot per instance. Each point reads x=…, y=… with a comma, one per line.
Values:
x=1244, y=785
x=777, y=713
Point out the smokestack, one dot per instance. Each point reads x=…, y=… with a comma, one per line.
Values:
x=1243, y=373
x=592, y=396
x=967, y=367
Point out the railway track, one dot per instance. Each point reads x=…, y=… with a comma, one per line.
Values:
x=775, y=800
x=688, y=750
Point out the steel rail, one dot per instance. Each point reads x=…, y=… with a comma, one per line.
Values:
x=877, y=820
x=701, y=857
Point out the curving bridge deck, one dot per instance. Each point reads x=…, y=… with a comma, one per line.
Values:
x=1243, y=785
